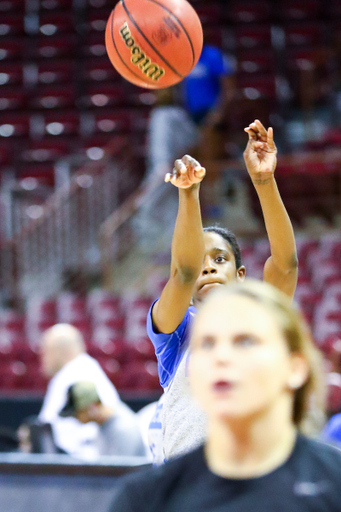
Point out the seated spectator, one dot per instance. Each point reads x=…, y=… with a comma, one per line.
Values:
x=255, y=372
x=65, y=362
x=119, y=434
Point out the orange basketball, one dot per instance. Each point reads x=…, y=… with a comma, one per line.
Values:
x=154, y=43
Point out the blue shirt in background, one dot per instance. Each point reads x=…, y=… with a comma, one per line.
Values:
x=332, y=431
x=201, y=88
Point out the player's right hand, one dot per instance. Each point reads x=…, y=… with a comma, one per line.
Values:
x=186, y=172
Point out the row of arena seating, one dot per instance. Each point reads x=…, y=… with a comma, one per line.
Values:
x=237, y=11
x=114, y=327
x=125, y=353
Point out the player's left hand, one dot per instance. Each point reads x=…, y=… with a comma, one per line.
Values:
x=260, y=154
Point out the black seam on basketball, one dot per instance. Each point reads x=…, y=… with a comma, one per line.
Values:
x=180, y=23
x=150, y=44
x=118, y=53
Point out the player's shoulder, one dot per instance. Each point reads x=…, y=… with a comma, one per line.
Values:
x=321, y=455
x=158, y=479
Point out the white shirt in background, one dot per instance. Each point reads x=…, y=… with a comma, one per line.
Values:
x=75, y=438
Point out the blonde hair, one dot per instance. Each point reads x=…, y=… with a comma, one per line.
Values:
x=309, y=400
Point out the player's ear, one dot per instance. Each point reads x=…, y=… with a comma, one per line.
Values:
x=241, y=273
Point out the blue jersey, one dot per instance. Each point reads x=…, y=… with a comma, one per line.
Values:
x=170, y=348
x=202, y=87
x=179, y=424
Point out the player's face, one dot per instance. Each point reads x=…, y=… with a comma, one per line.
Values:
x=219, y=266
x=240, y=364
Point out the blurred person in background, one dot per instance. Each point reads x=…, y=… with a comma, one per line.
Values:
x=201, y=260
x=255, y=372
x=119, y=434
x=185, y=119
x=65, y=361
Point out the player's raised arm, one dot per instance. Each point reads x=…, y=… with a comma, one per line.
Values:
x=187, y=247
x=260, y=158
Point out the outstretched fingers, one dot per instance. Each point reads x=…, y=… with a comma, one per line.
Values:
x=271, y=144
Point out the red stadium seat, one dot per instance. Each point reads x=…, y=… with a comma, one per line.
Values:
x=20, y=376
x=304, y=34
x=103, y=334
x=94, y=147
x=13, y=98
x=40, y=325
x=252, y=37
x=25, y=353
x=256, y=61
x=299, y=9
x=137, y=96
x=54, y=47
x=97, y=20
x=43, y=173
x=70, y=306
x=108, y=351
x=11, y=49
x=248, y=11
x=112, y=121
x=5, y=153
x=257, y=87
x=99, y=70
x=209, y=13
x=45, y=151
x=112, y=368
x=216, y=35
x=142, y=350
x=46, y=97
x=11, y=25
x=55, y=72
x=55, y=24
x=94, y=46
x=98, y=4
x=104, y=96
x=14, y=125
x=98, y=299
x=139, y=376
x=11, y=320
x=51, y=5
x=41, y=309
x=11, y=6
x=11, y=74
x=61, y=124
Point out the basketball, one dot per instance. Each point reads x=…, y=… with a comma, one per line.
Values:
x=154, y=43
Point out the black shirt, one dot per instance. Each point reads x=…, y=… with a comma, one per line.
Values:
x=310, y=480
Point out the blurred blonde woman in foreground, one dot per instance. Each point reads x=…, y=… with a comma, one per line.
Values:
x=255, y=372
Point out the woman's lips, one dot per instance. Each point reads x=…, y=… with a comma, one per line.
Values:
x=221, y=386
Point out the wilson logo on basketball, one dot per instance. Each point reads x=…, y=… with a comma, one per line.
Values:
x=138, y=57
